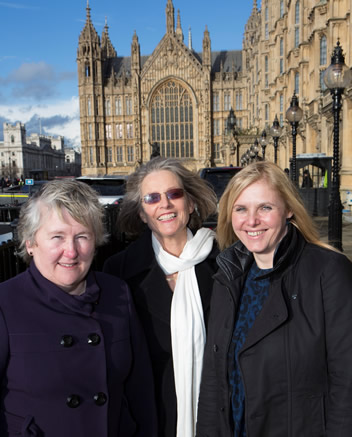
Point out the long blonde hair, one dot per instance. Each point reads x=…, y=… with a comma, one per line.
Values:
x=278, y=180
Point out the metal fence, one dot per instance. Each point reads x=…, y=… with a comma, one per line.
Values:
x=8, y=213
x=11, y=264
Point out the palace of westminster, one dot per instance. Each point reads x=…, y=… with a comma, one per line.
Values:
x=179, y=100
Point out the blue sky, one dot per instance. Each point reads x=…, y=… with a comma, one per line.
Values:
x=39, y=38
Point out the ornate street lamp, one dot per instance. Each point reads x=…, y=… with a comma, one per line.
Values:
x=294, y=115
x=263, y=143
x=275, y=132
x=231, y=132
x=336, y=77
x=254, y=150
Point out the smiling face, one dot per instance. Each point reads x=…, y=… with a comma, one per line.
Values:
x=259, y=221
x=167, y=219
x=63, y=250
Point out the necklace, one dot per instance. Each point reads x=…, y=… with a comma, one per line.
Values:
x=171, y=277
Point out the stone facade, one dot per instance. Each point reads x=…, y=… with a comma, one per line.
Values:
x=37, y=156
x=174, y=97
x=181, y=99
x=287, y=47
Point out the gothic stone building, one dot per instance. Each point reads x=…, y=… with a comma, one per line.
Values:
x=181, y=99
x=175, y=97
x=287, y=47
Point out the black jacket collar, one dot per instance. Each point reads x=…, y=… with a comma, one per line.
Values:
x=236, y=260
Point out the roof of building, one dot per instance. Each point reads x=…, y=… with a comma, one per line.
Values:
x=231, y=60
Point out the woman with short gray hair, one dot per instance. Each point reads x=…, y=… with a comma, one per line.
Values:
x=73, y=359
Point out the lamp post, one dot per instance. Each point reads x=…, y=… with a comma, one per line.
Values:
x=231, y=132
x=294, y=115
x=275, y=132
x=254, y=150
x=336, y=77
x=263, y=143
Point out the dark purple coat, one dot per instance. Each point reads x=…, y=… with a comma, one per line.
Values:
x=72, y=366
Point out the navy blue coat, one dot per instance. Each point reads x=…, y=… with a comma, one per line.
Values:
x=72, y=366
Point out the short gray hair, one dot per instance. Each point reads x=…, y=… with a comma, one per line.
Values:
x=77, y=198
x=196, y=190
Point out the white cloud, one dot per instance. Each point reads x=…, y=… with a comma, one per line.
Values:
x=16, y=6
x=28, y=72
x=66, y=112
x=35, y=80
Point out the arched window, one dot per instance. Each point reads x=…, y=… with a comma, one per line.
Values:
x=266, y=112
x=12, y=139
x=281, y=65
x=297, y=12
x=297, y=83
x=172, y=120
x=297, y=18
x=266, y=17
x=323, y=50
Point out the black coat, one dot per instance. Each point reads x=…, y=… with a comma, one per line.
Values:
x=296, y=363
x=152, y=296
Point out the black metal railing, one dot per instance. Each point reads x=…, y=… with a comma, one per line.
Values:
x=8, y=213
x=10, y=263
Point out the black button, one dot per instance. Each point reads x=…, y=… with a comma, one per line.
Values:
x=215, y=348
x=93, y=339
x=73, y=401
x=100, y=399
x=66, y=341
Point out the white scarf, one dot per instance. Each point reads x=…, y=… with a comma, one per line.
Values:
x=187, y=324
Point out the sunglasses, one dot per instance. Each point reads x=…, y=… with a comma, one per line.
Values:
x=152, y=198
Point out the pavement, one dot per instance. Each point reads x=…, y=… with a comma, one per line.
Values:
x=322, y=225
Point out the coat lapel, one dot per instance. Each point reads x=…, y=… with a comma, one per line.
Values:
x=273, y=314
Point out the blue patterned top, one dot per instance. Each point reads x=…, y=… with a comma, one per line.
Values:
x=253, y=297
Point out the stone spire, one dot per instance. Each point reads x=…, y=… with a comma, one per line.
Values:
x=170, y=17
x=190, y=38
x=255, y=6
x=89, y=41
x=179, y=32
x=106, y=44
x=135, y=53
x=206, y=49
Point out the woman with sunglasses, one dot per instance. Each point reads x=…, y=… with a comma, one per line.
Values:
x=169, y=270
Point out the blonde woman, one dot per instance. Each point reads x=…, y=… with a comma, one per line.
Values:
x=278, y=359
